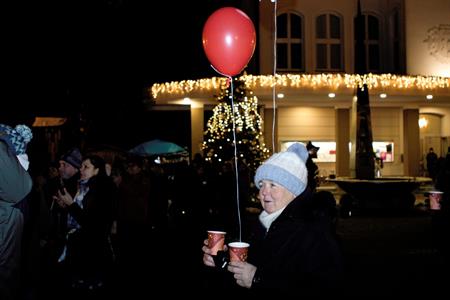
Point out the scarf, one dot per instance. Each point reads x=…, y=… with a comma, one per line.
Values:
x=267, y=219
x=72, y=224
x=23, y=159
x=82, y=191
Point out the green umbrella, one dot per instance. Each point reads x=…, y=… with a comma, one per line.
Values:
x=158, y=147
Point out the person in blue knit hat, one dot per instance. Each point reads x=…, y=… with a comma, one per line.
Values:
x=17, y=139
x=15, y=185
x=291, y=251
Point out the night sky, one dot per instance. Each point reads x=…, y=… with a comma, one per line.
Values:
x=97, y=57
x=95, y=50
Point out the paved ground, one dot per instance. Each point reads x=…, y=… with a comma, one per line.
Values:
x=392, y=255
x=385, y=255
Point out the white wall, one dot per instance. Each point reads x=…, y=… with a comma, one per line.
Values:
x=427, y=37
x=386, y=126
x=317, y=124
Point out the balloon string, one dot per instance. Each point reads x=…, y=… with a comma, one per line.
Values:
x=235, y=152
x=274, y=105
x=236, y=159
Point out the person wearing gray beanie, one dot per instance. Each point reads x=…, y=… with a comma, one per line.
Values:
x=291, y=250
x=69, y=170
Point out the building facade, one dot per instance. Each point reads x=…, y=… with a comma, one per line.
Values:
x=407, y=58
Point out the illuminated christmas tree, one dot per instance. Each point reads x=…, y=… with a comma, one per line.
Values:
x=218, y=145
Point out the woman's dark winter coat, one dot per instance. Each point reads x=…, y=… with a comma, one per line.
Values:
x=298, y=254
x=89, y=251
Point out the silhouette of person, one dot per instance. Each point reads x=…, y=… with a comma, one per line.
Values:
x=432, y=160
x=15, y=185
x=313, y=169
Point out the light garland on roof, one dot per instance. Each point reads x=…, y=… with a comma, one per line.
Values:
x=311, y=81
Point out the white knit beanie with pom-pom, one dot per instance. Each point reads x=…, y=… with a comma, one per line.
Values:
x=286, y=168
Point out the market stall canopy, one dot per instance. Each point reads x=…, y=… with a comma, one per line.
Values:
x=48, y=121
x=158, y=147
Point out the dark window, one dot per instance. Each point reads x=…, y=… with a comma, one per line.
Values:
x=396, y=25
x=396, y=57
x=296, y=57
x=321, y=27
x=282, y=26
x=290, y=42
x=282, y=56
x=374, y=28
x=321, y=56
x=296, y=26
x=374, y=57
x=336, y=56
x=329, y=43
x=335, y=27
x=397, y=61
x=371, y=35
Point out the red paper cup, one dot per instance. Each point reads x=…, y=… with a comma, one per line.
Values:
x=435, y=199
x=216, y=240
x=238, y=251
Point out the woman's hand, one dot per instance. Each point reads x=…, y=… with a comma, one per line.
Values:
x=63, y=199
x=208, y=259
x=243, y=272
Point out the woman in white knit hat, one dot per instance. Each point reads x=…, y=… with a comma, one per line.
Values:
x=291, y=250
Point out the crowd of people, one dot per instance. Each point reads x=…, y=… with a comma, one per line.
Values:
x=88, y=226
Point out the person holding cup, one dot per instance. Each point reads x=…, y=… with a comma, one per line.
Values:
x=291, y=250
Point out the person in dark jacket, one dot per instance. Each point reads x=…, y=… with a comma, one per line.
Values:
x=53, y=235
x=88, y=253
x=313, y=169
x=291, y=250
x=15, y=185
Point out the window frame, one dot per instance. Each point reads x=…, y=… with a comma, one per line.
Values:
x=289, y=41
x=370, y=42
x=329, y=42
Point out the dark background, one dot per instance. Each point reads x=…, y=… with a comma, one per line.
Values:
x=92, y=61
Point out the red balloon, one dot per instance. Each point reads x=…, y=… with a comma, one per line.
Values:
x=229, y=40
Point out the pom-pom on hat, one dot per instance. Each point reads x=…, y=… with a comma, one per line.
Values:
x=17, y=138
x=286, y=168
x=73, y=157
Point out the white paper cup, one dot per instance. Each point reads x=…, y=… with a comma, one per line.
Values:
x=238, y=251
x=216, y=240
x=435, y=199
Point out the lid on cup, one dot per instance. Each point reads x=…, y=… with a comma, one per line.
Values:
x=239, y=245
x=435, y=192
x=217, y=232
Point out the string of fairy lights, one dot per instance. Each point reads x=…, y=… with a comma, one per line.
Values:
x=248, y=126
x=312, y=81
x=243, y=113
